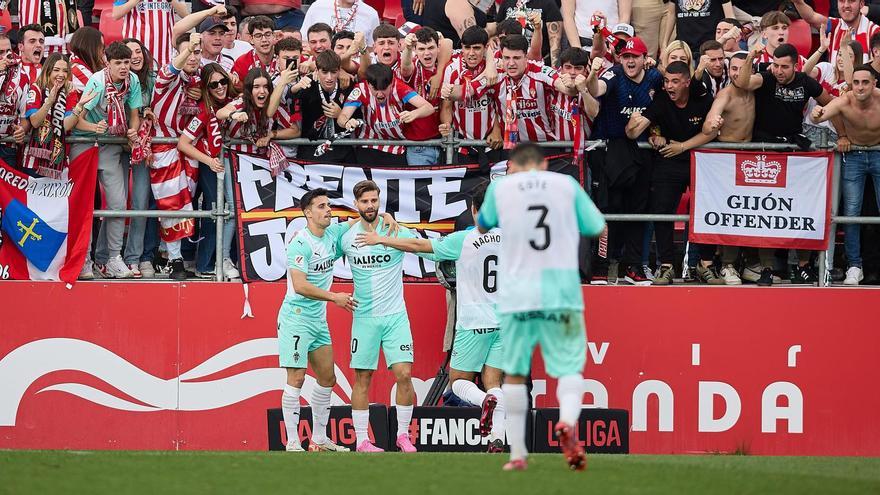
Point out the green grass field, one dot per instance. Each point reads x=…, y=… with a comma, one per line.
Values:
x=118, y=473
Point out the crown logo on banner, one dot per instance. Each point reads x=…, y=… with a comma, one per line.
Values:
x=761, y=171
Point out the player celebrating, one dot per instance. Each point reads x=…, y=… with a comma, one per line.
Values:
x=542, y=215
x=303, y=335
x=477, y=345
x=380, y=319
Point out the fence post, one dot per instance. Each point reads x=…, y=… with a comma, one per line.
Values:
x=219, y=216
x=824, y=260
x=449, y=145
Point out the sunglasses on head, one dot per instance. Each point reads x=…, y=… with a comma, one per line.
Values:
x=218, y=83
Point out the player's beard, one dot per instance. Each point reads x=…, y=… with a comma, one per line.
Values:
x=369, y=216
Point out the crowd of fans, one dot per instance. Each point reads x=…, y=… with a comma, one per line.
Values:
x=674, y=74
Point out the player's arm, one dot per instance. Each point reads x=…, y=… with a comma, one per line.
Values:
x=302, y=287
x=487, y=219
x=409, y=245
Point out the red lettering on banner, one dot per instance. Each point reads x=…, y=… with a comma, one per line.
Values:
x=760, y=170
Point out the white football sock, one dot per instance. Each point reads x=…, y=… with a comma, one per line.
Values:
x=404, y=415
x=570, y=393
x=361, y=420
x=517, y=402
x=320, y=413
x=469, y=391
x=290, y=411
x=497, y=415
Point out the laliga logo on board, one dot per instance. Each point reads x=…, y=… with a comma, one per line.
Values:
x=758, y=170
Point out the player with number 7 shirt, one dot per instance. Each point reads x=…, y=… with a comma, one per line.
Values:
x=542, y=214
x=478, y=342
x=303, y=335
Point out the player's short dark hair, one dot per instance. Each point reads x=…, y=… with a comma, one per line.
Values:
x=508, y=27
x=678, y=67
x=288, y=45
x=574, y=56
x=364, y=187
x=865, y=67
x=515, y=42
x=710, y=45
x=786, y=50
x=474, y=35
x=260, y=22
x=328, y=61
x=525, y=154
x=342, y=35
x=478, y=194
x=386, y=30
x=731, y=21
x=320, y=27
x=117, y=51
x=379, y=76
x=426, y=35
x=306, y=200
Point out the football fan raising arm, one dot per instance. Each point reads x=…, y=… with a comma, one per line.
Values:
x=407, y=65
x=568, y=24
x=285, y=79
x=808, y=14
x=595, y=86
x=193, y=20
x=460, y=14
x=537, y=41
x=746, y=79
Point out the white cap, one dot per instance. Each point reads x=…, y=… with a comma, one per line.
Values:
x=625, y=29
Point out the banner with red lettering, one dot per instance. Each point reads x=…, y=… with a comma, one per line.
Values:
x=759, y=199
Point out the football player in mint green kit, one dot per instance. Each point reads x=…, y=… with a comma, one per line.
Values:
x=477, y=345
x=303, y=335
x=380, y=320
x=543, y=215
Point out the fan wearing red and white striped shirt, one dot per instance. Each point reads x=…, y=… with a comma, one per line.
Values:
x=383, y=99
x=851, y=20
x=570, y=111
x=57, y=26
x=262, y=31
x=13, y=99
x=30, y=49
x=249, y=119
x=87, y=49
x=529, y=93
x=470, y=117
x=151, y=21
x=173, y=177
x=775, y=31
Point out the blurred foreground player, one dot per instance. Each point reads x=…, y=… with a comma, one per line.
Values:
x=478, y=341
x=542, y=214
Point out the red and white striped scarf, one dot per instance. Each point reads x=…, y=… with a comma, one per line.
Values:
x=117, y=121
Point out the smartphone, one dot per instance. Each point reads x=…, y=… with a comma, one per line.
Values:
x=293, y=63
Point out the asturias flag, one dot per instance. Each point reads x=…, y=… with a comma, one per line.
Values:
x=47, y=223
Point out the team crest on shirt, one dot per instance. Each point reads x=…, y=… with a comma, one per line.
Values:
x=532, y=92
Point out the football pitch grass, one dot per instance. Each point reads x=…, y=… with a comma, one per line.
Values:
x=118, y=473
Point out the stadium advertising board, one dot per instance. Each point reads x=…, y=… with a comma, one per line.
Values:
x=758, y=199
x=197, y=376
x=428, y=199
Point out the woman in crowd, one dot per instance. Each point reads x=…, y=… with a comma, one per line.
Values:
x=677, y=51
x=52, y=110
x=201, y=142
x=143, y=234
x=87, y=46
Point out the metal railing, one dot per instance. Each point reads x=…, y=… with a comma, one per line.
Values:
x=221, y=212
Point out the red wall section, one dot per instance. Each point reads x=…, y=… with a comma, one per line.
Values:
x=174, y=366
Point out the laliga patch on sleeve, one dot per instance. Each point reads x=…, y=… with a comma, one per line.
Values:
x=608, y=75
x=355, y=94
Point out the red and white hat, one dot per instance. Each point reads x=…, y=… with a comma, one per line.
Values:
x=634, y=46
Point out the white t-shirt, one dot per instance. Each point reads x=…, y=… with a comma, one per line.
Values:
x=366, y=19
x=238, y=49
x=583, y=13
